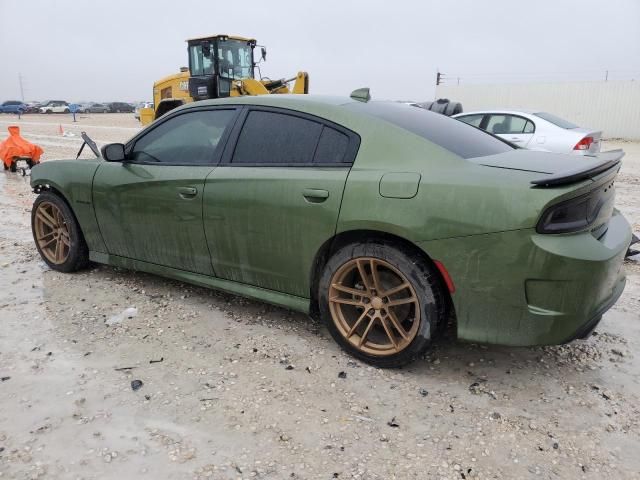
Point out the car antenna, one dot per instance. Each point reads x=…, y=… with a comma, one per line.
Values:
x=361, y=94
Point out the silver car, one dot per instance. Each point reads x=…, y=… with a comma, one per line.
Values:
x=536, y=130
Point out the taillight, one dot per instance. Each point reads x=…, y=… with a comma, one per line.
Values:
x=584, y=144
x=575, y=214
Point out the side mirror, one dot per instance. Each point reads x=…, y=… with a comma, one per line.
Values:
x=113, y=152
x=263, y=51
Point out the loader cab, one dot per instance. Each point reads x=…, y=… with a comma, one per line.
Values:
x=215, y=62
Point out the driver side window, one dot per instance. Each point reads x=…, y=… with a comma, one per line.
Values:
x=192, y=138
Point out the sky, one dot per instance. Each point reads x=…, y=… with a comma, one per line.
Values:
x=112, y=50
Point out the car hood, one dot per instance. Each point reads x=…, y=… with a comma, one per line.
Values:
x=537, y=162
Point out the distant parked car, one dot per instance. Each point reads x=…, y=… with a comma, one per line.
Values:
x=55, y=106
x=84, y=107
x=140, y=106
x=33, y=107
x=13, y=106
x=97, y=108
x=120, y=107
x=536, y=131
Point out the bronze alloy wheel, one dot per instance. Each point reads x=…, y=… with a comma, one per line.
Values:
x=374, y=306
x=52, y=233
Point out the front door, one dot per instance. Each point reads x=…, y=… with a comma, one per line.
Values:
x=513, y=128
x=271, y=205
x=149, y=207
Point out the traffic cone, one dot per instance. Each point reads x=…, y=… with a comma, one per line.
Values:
x=60, y=130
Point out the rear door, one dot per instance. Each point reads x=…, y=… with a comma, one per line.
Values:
x=149, y=208
x=275, y=198
x=513, y=128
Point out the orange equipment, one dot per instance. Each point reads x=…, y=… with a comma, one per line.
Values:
x=16, y=148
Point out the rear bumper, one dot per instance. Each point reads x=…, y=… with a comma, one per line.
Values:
x=587, y=328
x=523, y=288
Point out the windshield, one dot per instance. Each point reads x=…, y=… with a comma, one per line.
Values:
x=556, y=120
x=236, y=59
x=199, y=64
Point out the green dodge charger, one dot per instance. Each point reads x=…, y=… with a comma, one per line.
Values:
x=385, y=220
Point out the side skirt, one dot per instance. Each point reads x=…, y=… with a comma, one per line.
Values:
x=292, y=302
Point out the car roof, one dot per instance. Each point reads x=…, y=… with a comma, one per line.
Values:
x=279, y=100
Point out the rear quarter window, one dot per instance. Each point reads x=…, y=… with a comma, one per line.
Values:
x=451, y=134
x=332, y=147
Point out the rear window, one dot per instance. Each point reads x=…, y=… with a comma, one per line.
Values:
x=455, y=136
x=560, y=122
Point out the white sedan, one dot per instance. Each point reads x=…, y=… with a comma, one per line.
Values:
x=55, y=107
x=535, y=130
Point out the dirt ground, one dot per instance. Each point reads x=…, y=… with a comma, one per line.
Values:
x=235, y=389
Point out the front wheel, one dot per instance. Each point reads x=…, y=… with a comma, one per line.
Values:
x=381, y=303
x=57, y=234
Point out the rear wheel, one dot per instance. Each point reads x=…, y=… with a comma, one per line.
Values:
x=380, y=303
x=57, y=234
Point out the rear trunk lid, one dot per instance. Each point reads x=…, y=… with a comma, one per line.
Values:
x=582, y=183
x=555, y=168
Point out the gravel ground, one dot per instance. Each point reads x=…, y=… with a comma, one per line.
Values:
x=235, y=389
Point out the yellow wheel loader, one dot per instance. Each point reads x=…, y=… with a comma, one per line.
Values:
x=219, y=66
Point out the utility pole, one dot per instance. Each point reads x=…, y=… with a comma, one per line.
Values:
x=21, y=88
x=606, y=75
x=458, y=81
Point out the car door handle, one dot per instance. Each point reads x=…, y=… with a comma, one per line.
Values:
x=187, y=192
x=515, y=139
x=315, y=195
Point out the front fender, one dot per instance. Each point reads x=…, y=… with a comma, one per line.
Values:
x=73, y=180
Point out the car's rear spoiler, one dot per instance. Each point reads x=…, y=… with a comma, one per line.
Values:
x=603, y=161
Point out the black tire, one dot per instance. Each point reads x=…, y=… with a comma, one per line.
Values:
x=66, y=110
x=78, y=257
x=439, y=106
x=453, y=108
x=418, y=272
x=13, y=168
x=49, y=111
